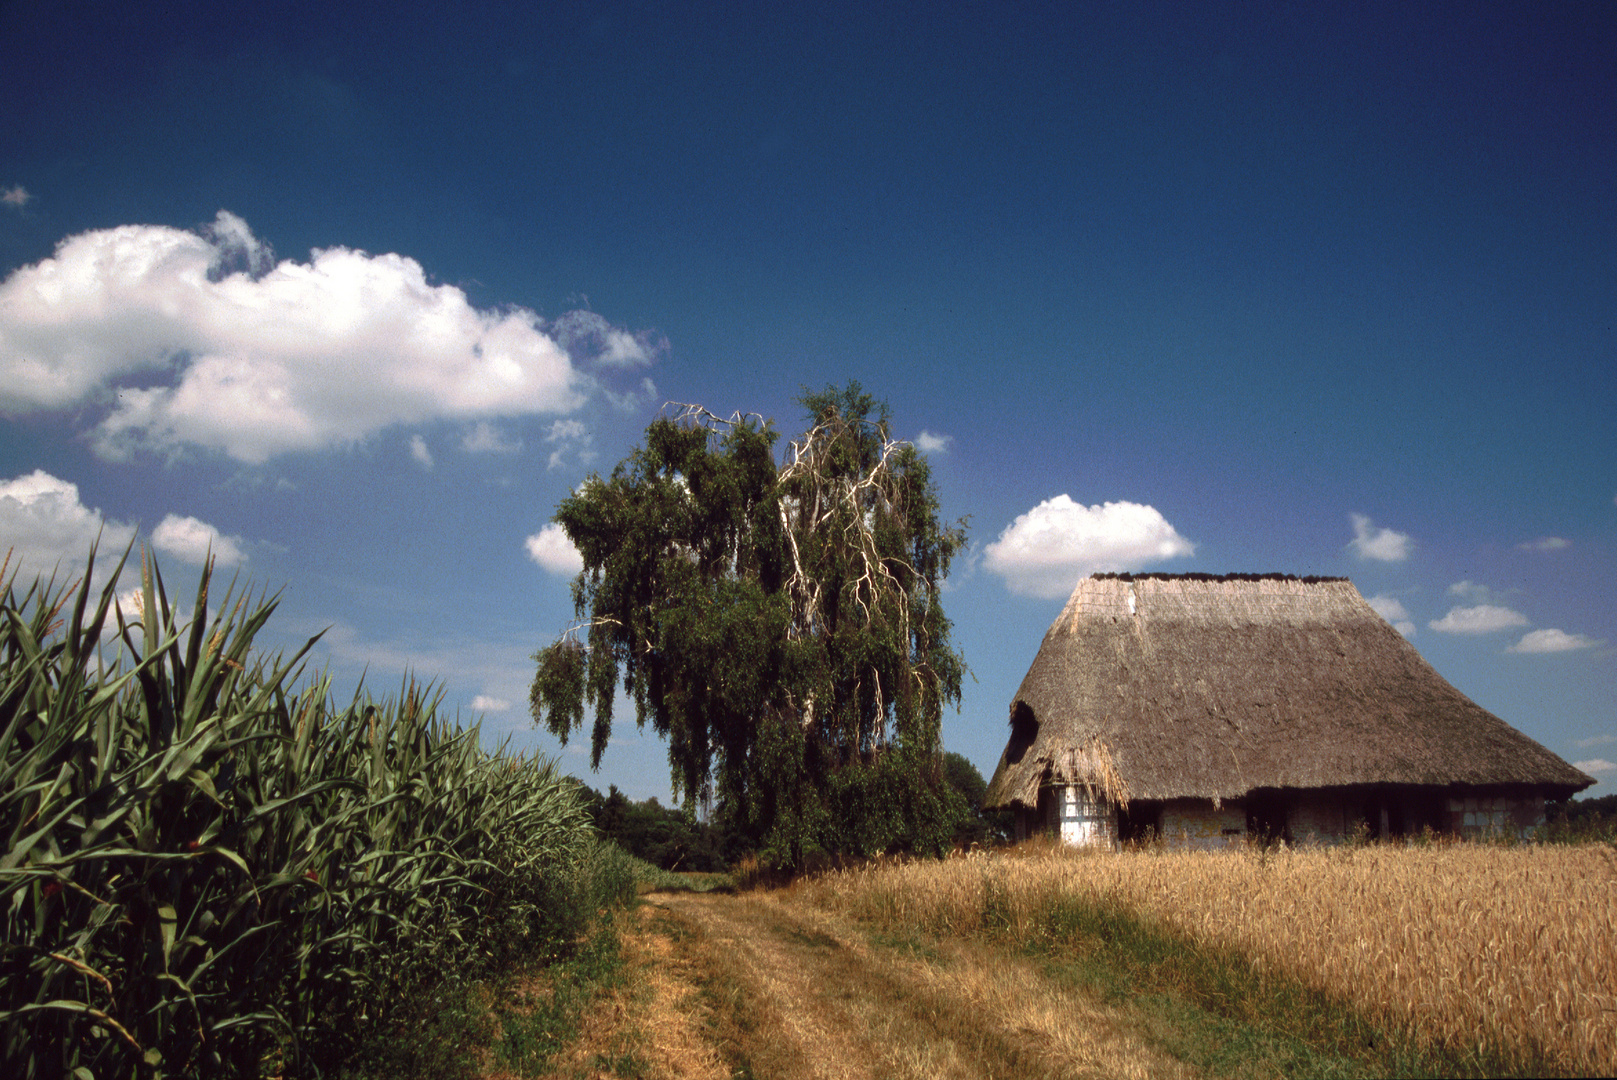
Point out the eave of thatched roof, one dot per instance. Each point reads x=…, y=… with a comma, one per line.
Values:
x=1201, y=687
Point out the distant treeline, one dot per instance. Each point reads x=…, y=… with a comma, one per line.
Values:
x=674, y=839
x=1582, y=819
x=1575, y=810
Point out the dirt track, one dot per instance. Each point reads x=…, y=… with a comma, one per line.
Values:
x=753, y=984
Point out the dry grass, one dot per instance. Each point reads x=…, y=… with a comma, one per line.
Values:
x=813, y=999
x=1468, y=947
x=1024, y=1024
x=650, y=1025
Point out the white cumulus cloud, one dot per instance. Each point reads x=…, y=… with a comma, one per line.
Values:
x=1046, y=550
x=484, y=703
x=43, y=524
x=487, y=438
x=1481, y=619
x=569, y=436
x=1548, y=641
x=131, y=604
x=1388, y=607
x=550, y=548
x=1383, y=545
x=194, y=338
x=1546, y=543
x=1596, y=740
x=633, y=400
x=419, y=452
x=190, y=540
x=1595, y=766
x=1392, y=609
x=928, y=443
x=587, y=336
x=15, y=196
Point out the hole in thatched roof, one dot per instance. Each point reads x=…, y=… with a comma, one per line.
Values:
x=1024, y=729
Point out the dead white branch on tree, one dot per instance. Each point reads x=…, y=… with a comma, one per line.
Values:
x=814, y=502
x=858, y=500
x=699, y=416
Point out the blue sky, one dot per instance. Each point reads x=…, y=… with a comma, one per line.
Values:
x=1175, y=287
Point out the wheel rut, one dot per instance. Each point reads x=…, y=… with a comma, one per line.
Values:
x=795, y=993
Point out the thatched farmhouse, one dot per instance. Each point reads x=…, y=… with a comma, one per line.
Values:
x=1202, y=709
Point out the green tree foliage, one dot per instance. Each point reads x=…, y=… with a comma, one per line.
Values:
x=964, y=778
x=974, y=825
x=1582, y=820
x=779, y=624
x=665, y=836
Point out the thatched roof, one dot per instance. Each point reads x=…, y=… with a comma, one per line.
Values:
x=1191, y=686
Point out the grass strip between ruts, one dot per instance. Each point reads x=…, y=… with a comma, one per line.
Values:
x=731, y=1023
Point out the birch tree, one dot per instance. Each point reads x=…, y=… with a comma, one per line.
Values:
x=778, y=622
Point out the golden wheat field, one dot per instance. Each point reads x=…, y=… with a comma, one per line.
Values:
x=1453, y=943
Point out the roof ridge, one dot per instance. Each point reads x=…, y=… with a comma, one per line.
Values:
x=1154, y=575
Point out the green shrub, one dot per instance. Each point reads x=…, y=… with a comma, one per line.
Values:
x=1581, y=821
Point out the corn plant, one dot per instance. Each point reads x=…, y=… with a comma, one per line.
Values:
x=210, y=871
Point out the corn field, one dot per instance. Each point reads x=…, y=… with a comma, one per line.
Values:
x=1453, y=944
x=208, y=871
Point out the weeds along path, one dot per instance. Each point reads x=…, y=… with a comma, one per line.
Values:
x=792, y=993
x=655, y=1023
